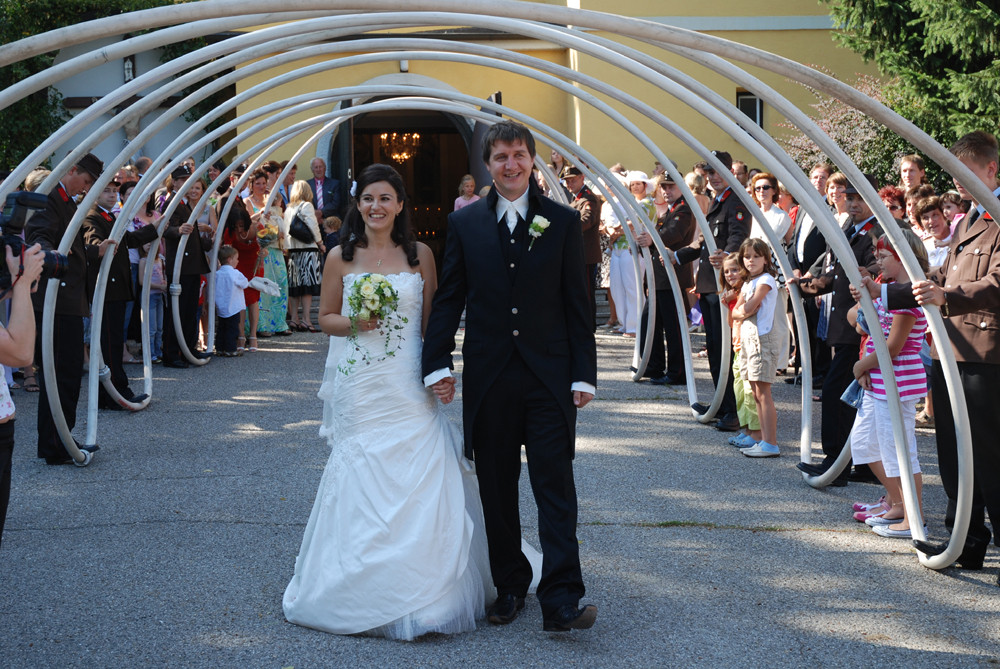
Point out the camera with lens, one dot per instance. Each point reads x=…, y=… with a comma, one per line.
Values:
x=15, y=213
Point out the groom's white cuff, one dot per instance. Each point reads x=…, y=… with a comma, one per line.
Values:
x=584, y=387
x=436, y=376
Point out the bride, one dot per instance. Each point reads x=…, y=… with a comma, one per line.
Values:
x=395, y=544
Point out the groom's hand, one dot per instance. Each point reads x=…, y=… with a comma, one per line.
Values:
x=445, y=389
x=580, y=398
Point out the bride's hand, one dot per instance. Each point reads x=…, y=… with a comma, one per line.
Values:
x=368, y=325
x=445, y=389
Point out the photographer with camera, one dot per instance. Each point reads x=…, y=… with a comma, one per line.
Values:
x=47, y=227
x=17, y=344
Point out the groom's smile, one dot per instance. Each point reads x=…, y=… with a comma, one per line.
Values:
x=510, y=166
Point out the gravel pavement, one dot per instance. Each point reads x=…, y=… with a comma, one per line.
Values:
x=173, y=548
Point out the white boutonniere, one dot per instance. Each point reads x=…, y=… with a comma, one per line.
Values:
x=538, y=225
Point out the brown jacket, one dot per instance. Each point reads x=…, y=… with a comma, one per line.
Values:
x=589, y=207
x=970, y=276
x=676, y=228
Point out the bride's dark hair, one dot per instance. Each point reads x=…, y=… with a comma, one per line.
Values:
x=353, y=232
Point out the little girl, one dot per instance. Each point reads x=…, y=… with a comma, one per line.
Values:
x=746, y=409
x=760, y=341
x=157, y=292
x=872, y=441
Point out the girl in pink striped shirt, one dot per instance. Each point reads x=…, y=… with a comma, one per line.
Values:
x=872, y=441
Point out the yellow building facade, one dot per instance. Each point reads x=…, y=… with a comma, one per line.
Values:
x=801, y=30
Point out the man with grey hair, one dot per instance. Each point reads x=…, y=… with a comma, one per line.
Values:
x=326, y=190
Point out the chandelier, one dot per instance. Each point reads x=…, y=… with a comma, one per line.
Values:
x=400, y=146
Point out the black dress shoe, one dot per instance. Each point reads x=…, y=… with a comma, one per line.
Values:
x=59, y=460
x=176, y=364
x=971, y=558
x=505, y=609
x=667, y=380
x=728, y=423
x=111, y=406
x=569, y=617
x=138, y=399
x=862, y=476
x=203, y=355
x=700, y=408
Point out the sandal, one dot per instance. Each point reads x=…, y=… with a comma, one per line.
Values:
x=309, y=327
x=241, y=344
x=31, y=384
x=253, y=345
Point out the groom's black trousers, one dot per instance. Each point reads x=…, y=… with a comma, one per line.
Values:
x=518, y=409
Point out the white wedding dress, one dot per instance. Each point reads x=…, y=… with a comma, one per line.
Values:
x=395, y=544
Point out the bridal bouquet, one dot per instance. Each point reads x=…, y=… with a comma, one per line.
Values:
x=372, y=296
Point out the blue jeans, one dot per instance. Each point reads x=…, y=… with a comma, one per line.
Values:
x=156, y=324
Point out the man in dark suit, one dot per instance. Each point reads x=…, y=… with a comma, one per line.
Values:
x=193, y=266
x=838, y=417
x=326, y=190
x=808, y=246
x=967, y=289
x=47, y=228
x=118, y=292
x=585, y=201
x=730, y=223
x=676, y=228
x=514, y=262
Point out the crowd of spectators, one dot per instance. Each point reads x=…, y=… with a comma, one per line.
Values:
x=955, y=242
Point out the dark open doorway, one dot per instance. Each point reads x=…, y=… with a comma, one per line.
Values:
x=433, y=173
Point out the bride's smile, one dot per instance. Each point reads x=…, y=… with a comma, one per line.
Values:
x=379, y=206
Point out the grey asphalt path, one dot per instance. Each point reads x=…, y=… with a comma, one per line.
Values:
x=174, y=547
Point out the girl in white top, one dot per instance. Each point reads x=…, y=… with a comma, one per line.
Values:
x=760, y=342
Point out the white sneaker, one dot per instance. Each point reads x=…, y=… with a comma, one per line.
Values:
x=761, y=449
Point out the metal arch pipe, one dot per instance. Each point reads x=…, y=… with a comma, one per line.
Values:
x=914, y=272
x=987, y=206
x=696, y=209
x=625, y=26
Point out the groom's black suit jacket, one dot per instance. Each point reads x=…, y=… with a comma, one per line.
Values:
x=541, y=310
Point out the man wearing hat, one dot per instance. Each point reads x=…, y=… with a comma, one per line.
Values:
x=730, y=224
x=585, y=201
x=47, y=227
x=676, y=227
x=193, y=265
x=828, y=276
x=119, y=290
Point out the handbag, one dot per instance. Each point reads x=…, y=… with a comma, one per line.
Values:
x=300, y=231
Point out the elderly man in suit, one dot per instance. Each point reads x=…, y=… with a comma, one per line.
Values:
x=967, y=289
x=514, y=262
x=47, y=228
x=326, y=190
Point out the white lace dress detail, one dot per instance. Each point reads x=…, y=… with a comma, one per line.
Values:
x=395, y=544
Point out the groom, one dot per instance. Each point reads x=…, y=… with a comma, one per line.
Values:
x=514, y=262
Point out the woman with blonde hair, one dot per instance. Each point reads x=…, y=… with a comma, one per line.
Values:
x=304, y=276
x=696, y=183
x=466, y=192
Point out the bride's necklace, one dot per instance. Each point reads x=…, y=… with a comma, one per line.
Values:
x=381, y=253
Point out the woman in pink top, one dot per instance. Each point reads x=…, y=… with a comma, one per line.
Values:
x=466, y=192
x=872, y=441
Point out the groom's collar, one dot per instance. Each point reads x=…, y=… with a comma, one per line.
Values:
x=530, y=200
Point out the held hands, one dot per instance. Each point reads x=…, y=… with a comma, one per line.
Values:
x=927, y=293
x=187, y=228
x=205, y=227
x=581, y=399
x=644, y=239
x=445, y=389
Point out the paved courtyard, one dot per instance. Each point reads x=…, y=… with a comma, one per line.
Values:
x=173, y=548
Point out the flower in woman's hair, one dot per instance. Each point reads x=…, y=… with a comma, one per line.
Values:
x=538, y=225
